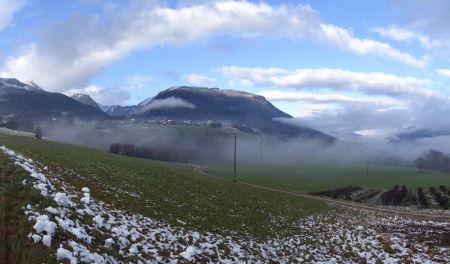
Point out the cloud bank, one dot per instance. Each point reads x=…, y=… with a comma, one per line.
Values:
x=168, y=103
x=327, y=98
x=443, y=72
x=104, y=96
x=335, y=79
x=7, y=10
x=99, y=40
x=199, y=79
x=405, y=35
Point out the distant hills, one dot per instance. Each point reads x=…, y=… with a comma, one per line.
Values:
x=414, y=134
x=20, y=100
x=241, y=110
x=86, y=99
x=244, y=111
x=118, y=110
x=208, y=103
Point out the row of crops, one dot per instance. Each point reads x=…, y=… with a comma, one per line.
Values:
x=432, y=197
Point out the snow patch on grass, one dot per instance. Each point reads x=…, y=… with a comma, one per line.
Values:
x=62, y=199
x=64, y=254
x=189, y=253
x=350, y=236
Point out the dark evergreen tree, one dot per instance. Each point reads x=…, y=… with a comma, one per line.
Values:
x=38, y=132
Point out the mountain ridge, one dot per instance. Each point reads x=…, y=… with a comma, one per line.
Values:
x=14, y=83
x=24, y=101
x=243, y=110
x=86, y=99
x=118, y=110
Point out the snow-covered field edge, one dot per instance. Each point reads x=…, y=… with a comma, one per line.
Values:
x=88, y=230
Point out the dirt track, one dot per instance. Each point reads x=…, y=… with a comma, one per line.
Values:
x=412, y=215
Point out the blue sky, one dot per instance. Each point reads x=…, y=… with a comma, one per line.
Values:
x=321, y=61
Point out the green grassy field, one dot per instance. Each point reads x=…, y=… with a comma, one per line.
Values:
x=312, y=178
x=167, y=191
x=15, y=247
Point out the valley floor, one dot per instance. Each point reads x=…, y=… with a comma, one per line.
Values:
x=71, y=224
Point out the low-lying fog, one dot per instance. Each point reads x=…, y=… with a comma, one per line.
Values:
x=204, y=144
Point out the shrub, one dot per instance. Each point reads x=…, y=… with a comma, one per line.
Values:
x=434, y=160
x=440, y=199
x=411, y=198
x=399, y=196
x=38, y=132
x=367, y=196
x=421, y=199
x=115, y=148
x=339, y=192
x=393, y=196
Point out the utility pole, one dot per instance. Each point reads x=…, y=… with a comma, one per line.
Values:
x=235, y=159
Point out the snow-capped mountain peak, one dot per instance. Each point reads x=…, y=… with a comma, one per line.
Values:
x=16, y=84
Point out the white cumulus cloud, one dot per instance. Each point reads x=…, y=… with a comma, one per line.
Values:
x=342, y=38
x=405, y=35
x=104, y=96
x=334, y=79
x=199, y=79
x=327, y=98
x=342, y=122
x=443, y=72
x=59, y=61
x=168, y=103
x=7, y=10
x=137, y=81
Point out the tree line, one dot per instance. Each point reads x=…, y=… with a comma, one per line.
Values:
x=25, y=125
x=434, y=160
x=155, y=153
